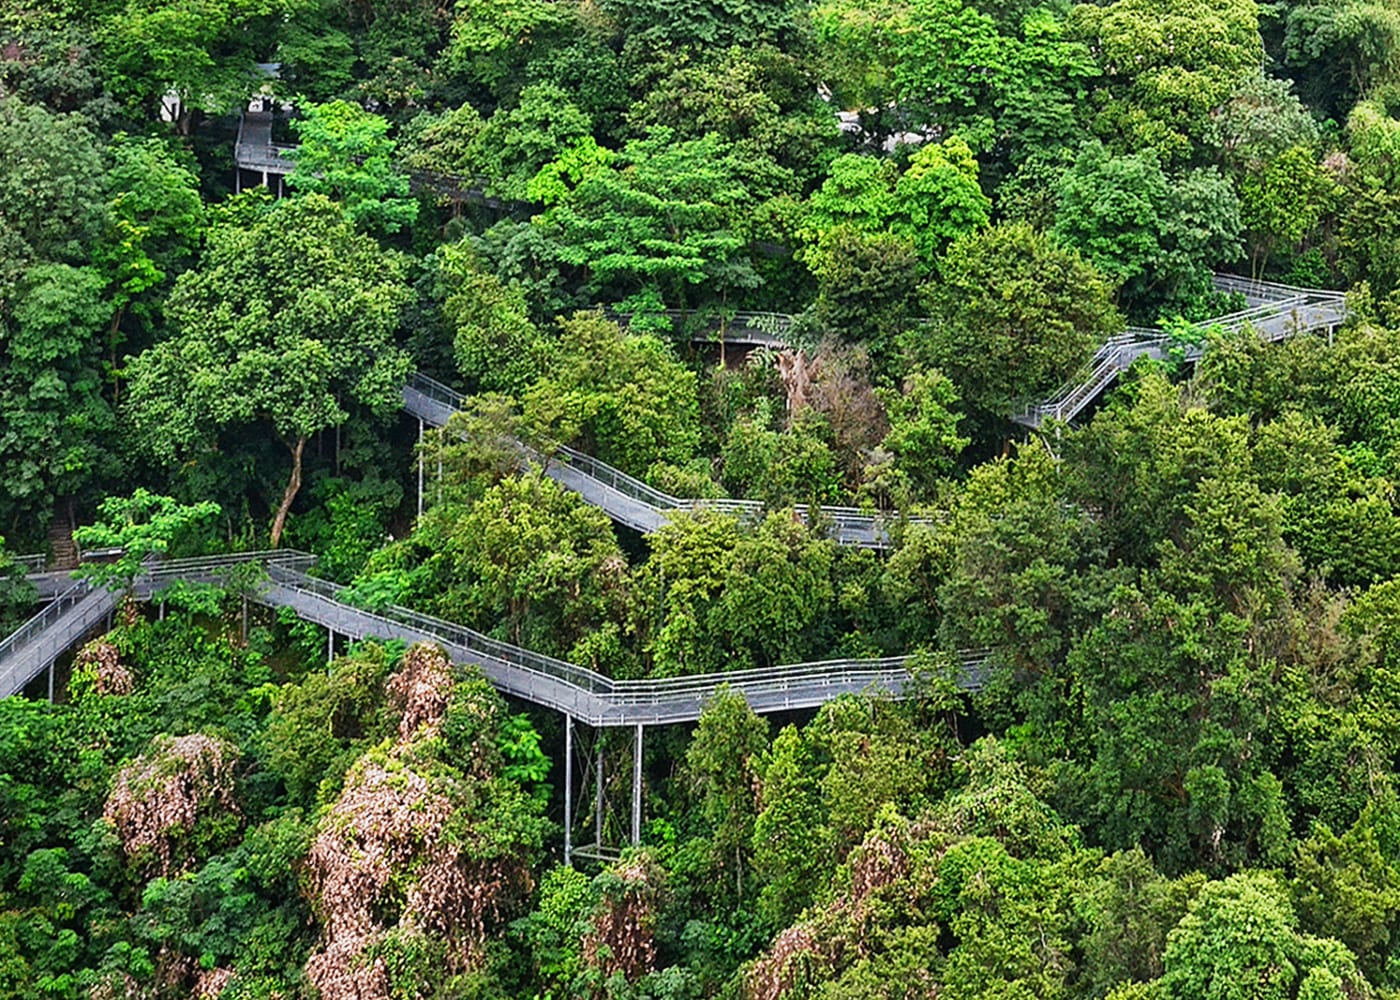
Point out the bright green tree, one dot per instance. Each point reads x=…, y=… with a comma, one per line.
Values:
x=655, y=218
x=1167, y=68
x=623, y=398
x=287, y=324
x=141, y=526
x=1016, y=313
x=1239, y=940
x=346, y=154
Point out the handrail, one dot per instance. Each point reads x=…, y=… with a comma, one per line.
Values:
x=591, y=696
x=852, y=525
x=585, y=694
x=52, y=616
x=1279, y=312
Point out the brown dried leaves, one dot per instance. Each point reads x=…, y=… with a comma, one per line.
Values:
x=103, y=660
x=623, y=934
x=420, y=689
x=157, y=799
x=383, y=856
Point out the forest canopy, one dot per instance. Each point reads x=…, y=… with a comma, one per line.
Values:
x=687, y=345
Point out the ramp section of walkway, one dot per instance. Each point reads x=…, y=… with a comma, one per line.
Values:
x=34, y=646
x=632, y=502
x=590, y=697
x=582, y=694
x=1276, y=312
x=75, y=608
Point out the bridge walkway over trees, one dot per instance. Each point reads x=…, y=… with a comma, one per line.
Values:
x=1275, y=312
x=632, y=502
x=255, y=152
x=587, y=696
x=582, y=695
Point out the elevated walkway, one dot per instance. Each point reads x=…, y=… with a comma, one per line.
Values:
x=581, y=694
x=632, y=502
x=1276, y=312
x=32, y=648
x=75, y=609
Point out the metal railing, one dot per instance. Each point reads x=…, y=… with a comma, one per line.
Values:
x=607, y=487
x=265, y=158
x=753, y=329
x=78, y=606
x=1280, y=312
x=585, y=694
x=591, y=697
x=26, y=652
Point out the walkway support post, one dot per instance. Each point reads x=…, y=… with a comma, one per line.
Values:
x=51, y=662
x=568, y=787
x=598, y=798
x=637, y=789
x=420, y=467
x=330, y=645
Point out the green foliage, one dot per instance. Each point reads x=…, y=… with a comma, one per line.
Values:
x=527, y=561
x=656, y=216
x=1238, y=939
x=204, y=52
x=923, y=435
x=497, y=348
x=288, y=324
x=140, y=526
x=346, y=154
x=1166, y=68
x=935, y=200
x=1016, y=313
x=721, y=765
x=1158, y=239
x=318, y=727
x=623, y=398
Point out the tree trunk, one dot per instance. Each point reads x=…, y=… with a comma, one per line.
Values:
x=293, y=485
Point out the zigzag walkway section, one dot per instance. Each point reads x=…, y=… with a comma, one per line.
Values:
x=582, y=695
x=630, y=501
x=1275, y=312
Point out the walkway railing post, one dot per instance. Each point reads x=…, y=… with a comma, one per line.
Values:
x=598, y=797
x=568, y=787
x=637, y=789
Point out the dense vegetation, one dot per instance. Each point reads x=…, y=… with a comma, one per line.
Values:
x=1180, y=780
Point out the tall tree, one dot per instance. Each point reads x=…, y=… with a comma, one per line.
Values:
x=1016, y=313
x=288, y=324
x=203, y=51
x=346, y=154
x=655, y=218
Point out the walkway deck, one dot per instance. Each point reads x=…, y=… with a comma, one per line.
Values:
x=632, y=502
x=582, y=694
x=1276, y=312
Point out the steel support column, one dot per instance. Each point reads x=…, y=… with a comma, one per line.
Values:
x=420, y=466
x=637, y=789
x=330, y=644
x=598, y=798
x=568, y=787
